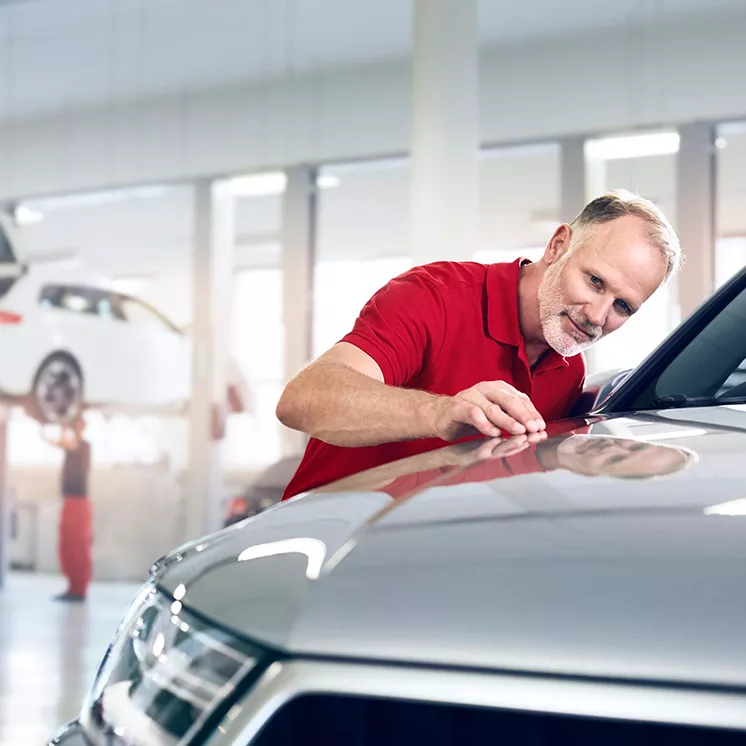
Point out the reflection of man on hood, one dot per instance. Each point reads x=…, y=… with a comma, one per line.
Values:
x=483, y=461
x=602, y=455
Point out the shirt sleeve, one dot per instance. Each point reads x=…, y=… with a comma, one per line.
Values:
x=402, y=325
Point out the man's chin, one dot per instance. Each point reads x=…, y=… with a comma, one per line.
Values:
x=562, y=341
x=567, y=346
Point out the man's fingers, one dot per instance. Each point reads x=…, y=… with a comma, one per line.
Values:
x=498, y=416
x=515, y=403
x=477, y=418
x=534, y=438
x=488, y=448
x=501, y=392
x=511, y=447
x=502, y=447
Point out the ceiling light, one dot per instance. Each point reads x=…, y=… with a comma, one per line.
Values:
x=259, y=185
x=721, y=143
x=274, y=183
x=632, y=146
x=24, y=215
x=328, y=181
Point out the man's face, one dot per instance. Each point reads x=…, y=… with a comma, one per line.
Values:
x=597, y=283
x=596, y=455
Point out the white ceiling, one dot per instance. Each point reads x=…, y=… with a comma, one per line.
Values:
x=58, y=55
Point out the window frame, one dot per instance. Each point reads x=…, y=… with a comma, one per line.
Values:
x=7, y=251
x=119, y=298
x=61, y=289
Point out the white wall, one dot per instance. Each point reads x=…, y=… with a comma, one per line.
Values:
x=598, y=81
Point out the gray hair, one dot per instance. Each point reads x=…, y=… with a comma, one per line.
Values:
x=619, y=203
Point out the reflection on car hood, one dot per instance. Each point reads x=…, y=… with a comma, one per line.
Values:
x=615, y=549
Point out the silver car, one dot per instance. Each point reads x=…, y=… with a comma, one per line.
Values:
x=589, y=588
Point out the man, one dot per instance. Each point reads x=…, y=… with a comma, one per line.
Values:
x=75, y=528
x=451, y=350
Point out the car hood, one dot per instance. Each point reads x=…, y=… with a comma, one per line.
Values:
x=615, y=548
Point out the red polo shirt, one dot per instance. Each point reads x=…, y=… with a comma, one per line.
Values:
x=443, y=328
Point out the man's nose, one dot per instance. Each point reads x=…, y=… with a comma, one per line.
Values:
x=598, y=311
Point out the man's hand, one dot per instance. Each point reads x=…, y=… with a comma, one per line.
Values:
x=488, y=408
x=498, y=448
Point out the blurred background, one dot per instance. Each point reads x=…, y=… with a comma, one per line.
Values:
x=198, y=196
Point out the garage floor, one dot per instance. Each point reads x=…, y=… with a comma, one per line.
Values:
x=49, y=652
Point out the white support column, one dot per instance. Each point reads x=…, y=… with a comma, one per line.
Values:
x=573, y=178
x=695, y=213
x=298, y=261
x=444, y=197
x=214, y=232
x=595, y=178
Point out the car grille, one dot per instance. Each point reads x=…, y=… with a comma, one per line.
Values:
x=351, y=721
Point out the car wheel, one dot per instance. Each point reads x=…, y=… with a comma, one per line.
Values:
x=57, y=392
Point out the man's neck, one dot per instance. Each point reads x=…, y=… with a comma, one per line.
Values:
x=529, y=319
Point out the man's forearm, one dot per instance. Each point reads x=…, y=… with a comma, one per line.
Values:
x=343, y=407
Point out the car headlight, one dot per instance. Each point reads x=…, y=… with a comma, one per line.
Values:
x=164, y=675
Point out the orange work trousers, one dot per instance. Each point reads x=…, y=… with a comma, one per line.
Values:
x=75, y=543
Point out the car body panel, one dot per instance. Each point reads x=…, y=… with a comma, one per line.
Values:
x=549, y=573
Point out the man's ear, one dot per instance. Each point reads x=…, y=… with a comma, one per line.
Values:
x=558, y=244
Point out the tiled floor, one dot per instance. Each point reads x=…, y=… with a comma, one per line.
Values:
x=49, y=652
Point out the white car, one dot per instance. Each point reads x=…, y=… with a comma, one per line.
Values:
x=70, y=342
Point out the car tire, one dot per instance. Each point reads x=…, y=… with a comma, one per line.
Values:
x=57, y=391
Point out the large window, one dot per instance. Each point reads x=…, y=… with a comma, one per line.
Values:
x=362, y=242
x=519, y=201
x=257, y=346
x=620, y=163
x=730, y=249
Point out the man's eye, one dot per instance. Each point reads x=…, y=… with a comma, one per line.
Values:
x=595, y=280
x=623, y=307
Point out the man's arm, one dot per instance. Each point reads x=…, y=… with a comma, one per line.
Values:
x=341, y=399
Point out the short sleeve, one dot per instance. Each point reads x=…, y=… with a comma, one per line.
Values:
x=402, y=325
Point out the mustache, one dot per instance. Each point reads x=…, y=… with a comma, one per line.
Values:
x=593, y=331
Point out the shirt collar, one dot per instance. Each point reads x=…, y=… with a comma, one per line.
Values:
x=502, y=310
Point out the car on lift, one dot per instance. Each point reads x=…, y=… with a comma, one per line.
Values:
x=583, y=588
x=71, y=342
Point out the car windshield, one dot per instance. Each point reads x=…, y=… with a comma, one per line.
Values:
x=709, y=368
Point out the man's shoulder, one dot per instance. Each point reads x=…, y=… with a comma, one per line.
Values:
x=450, y=275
